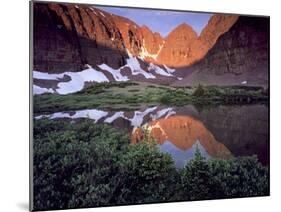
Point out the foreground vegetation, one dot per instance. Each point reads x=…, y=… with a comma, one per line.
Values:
x=131, y=96
x=86, y=165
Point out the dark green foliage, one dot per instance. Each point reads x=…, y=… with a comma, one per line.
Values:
x=133, y=90
x=75, y=164
x=199, y=91
x=148, y=175
x=100, y=87
x=84, y=165
x=218, y=178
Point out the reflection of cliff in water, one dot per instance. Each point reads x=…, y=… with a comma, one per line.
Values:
x=243, y=129
x=179, y=135
x=182, y=156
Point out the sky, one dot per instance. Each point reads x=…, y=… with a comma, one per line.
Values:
x=162, y=21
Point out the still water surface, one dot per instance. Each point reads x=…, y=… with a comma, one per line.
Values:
x=220, y=131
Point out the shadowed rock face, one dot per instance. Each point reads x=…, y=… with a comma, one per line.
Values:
x=131, y=34
x=183, y=132
x=67, y=37
x=217, y=25
x=240, y=56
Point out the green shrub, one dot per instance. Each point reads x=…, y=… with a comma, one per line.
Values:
x=199, y=91
x=84, y=165
x=75, y=164
x=147, y=175
x=165, y=99
x=219, y=178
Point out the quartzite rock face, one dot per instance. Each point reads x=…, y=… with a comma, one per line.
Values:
x=178, y=48
x=152, y=44
x=183, y=47
x=131, y=34
x=240, y=56
x=234, y=49
x=66, y=37
x=139, y=41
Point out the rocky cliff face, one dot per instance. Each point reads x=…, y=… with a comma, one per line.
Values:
x=178, y=49
x=66, y=37
x=152, y=45
x=70, y=38
x=76, y=46
x=217, y=25
x=240, y=56
x=131, y=34
x=183, y=47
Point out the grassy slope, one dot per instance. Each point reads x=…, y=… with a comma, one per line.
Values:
x=131, y=95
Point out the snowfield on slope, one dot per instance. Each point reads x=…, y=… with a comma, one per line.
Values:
x=116, y=73
x=76, y=83
x=78, y=79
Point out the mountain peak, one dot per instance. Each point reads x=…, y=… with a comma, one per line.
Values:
x=184, y=25
x=183, y=30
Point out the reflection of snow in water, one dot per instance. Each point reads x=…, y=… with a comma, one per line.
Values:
x=114, y=117
x=96, y=115
x=137, y=120
x=91, y=114
x=169, y=111
x=182, y=156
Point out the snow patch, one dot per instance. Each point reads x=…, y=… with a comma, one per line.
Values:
x=244, y=82
x=93, y=9
x=77, y=81
x=144, y=53
x=46, y=76
x=169, y=70
x=134, y=65
x=102, y=14
x=76, y=7
x=39, y=90
x=116, y=73
x=159, y=70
